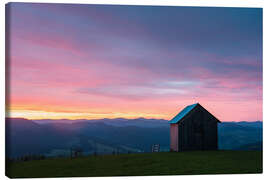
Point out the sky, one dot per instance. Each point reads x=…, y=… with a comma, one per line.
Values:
x=69, y=61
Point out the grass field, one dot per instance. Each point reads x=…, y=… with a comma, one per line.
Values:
x=163, y=163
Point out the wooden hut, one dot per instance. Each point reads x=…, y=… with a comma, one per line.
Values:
x=194, y=128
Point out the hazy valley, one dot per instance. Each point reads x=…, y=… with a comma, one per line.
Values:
x=106, y=136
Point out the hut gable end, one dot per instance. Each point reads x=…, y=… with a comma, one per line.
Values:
x=194, y=128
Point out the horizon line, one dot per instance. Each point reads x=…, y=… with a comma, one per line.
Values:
x=109, y=119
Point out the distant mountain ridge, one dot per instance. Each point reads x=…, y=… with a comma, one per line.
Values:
x=119, y=122
x=137, y=122
x=107, y=135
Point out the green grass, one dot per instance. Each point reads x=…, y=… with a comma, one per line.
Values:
x=163, y=163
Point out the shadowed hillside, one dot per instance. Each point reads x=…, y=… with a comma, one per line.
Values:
x=105, y=136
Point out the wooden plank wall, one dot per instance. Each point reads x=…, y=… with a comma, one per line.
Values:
x=198, y=131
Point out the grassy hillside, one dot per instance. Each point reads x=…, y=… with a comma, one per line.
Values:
x=164, y=163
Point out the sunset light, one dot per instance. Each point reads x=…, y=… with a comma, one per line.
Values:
x=117, y=61
x=132, y=90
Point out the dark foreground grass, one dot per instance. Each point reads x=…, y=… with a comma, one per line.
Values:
x=164, y=163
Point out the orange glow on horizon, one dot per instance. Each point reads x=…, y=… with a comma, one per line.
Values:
x=36, y=115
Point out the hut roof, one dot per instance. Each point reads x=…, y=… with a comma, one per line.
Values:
x=183, y=113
